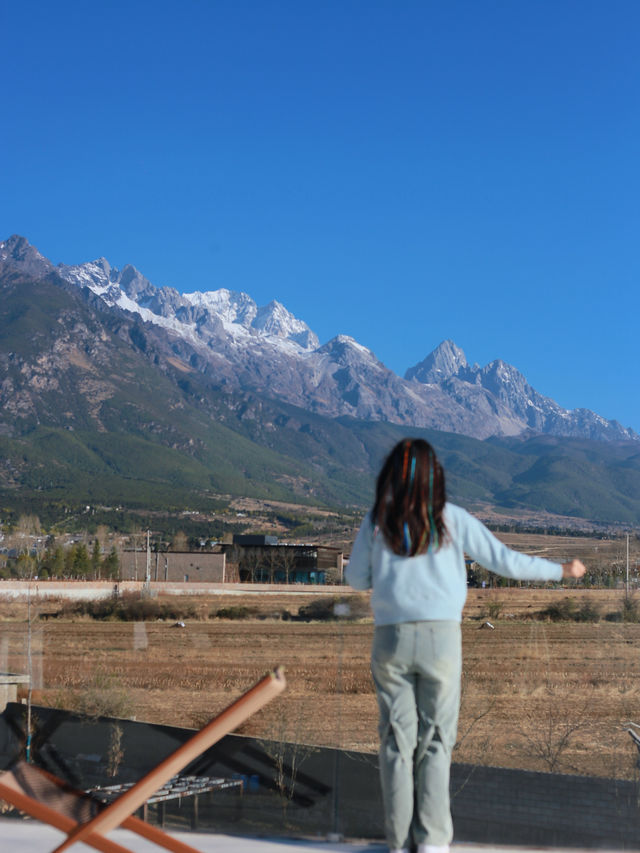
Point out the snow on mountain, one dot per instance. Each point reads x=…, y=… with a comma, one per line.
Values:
x=344, y=346
x=195, y=315
x=274, y=319
x=230, y=306
x=445, y=361
x=226, y=335
x=499, y=391
x=95, y=275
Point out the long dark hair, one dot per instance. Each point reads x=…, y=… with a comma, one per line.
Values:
x=410, y=498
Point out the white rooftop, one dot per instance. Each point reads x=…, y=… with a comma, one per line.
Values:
x=28, y=836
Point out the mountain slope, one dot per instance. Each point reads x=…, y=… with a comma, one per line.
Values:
x=89, y=403
x=98, y=406
x=266, y=349
x=482, y=390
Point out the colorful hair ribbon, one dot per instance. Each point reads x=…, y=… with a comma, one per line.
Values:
x=423, y=539
x=405, y=461
x=433, y=530
x=407, y=538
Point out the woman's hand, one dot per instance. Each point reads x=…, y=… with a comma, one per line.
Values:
x=574, y=569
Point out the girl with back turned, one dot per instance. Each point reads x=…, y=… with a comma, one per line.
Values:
x=410, y=552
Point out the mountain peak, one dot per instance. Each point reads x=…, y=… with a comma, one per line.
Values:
x=231, y=305
x=18, y=253
x=445, y=361
x=275, y=319
x=268, y=349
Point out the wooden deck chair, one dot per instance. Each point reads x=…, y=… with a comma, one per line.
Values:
x=47, y=798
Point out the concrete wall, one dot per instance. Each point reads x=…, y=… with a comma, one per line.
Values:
x=9, y=683
x=104, y=589
x=78, y=590
x=180, y=566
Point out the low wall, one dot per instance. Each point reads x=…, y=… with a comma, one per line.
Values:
x=495, y=805
x=9, y=683
x=333, y=789
x=105, y=589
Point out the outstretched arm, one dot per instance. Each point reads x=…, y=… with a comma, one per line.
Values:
x=573, y=569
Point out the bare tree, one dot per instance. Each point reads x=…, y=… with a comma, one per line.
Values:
x=549, y=732
x=285, y=749
x=272, y=562
x=179, y=542
x=115, y=752
x=287, y=561
x=250, y=563
x=470, y=717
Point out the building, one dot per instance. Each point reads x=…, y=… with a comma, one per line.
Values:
x=260, y=559
x=176, y=566
x=249, y=559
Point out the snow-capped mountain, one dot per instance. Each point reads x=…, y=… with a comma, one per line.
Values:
x=481, y=389
x=438, y=366
x=227, y=336
x=194, y=316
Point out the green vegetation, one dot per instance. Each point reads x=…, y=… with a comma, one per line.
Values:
x=98, y=414
x=62, y=472
x=235, y=611
x=567, y=610
x=492, y=609
x=103, y=696
x=629, y=612
x=71, y=563
x=138, y=607
x=130, y=607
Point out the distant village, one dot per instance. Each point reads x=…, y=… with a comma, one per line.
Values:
x=27, y=553
x=238, y=558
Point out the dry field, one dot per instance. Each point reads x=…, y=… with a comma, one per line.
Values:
x=537, y=695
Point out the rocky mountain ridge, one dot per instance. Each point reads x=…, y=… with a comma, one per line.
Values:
x=237, y=344
x=101, y=407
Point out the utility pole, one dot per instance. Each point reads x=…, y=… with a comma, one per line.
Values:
x=627, y=565
x=147, y=578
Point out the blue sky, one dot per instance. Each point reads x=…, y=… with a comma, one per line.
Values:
x=403, y=172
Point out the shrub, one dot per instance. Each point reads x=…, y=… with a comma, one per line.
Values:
x=587, y=612
x=561, y=611
x=492, y=609
x=568, y=611
x=130, y=607
x=335, y=607
x=235, y=611
x=630, y=611
x=104, y=696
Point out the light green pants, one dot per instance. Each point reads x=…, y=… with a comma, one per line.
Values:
x=416, y=667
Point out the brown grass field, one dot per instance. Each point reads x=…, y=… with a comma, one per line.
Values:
x=536, y=694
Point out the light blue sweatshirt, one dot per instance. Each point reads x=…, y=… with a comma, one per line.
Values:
x=434, y=585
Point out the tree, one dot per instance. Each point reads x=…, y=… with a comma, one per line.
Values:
x=102, y=535
x=550, y=731
x=179, y=542
x=56, y=567
x=81, y=561
x=29, y=525
x=96, y=559
x=25, y=565
x=111, y=565
x=249, y=564
x=287, y=561
x=272, y=562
